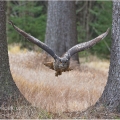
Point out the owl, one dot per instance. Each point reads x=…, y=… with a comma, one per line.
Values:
x=60, y=64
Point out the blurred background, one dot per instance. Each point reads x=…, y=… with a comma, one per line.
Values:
x=93, y=18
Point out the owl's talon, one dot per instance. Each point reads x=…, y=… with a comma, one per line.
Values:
x=58, y=73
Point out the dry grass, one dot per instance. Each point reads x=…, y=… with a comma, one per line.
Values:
x=16, y=48
x=72, y=91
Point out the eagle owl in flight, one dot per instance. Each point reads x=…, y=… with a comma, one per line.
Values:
x=61, y=64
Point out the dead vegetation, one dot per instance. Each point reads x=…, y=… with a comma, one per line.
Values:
x=59, y=96
x=72, y=91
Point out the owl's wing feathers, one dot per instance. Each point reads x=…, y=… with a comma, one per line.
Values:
x=85, y=45
x=35, y=41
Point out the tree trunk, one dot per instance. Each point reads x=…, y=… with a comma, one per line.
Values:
x=8, y=89
x=61, y=32
x=111, y=95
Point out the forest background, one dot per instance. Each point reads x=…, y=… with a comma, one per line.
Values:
x=72, y=91
x=93, y=18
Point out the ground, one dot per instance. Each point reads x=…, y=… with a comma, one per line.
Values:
x=71, y=95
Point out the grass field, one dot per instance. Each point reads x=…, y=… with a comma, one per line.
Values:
x=72, y=91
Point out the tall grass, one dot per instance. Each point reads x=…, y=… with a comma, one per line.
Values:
x=72, y=91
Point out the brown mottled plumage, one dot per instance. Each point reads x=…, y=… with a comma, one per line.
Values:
x=61, y=64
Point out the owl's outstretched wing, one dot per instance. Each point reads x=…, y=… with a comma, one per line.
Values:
x=85, y=45
x=35, y=41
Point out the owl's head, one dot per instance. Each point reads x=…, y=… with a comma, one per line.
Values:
x=62, y=63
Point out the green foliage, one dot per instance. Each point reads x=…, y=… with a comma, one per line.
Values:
x=29, y=17
x=103, y=21
x=98, y=16
x=93, y=18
